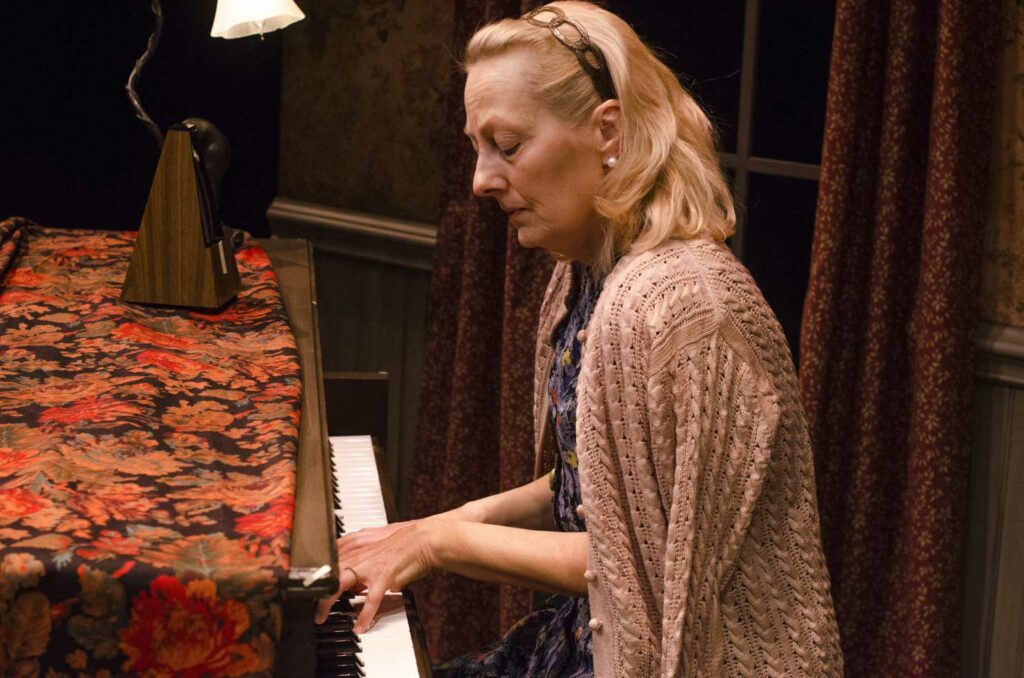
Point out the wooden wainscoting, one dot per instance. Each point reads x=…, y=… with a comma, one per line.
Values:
x=993, y=633
x=373, y=279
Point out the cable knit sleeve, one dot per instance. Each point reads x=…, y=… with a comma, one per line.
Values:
x=713, y=418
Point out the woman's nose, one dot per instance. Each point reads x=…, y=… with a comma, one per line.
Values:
x=487, y=182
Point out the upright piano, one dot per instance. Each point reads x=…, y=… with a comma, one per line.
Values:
x=339, y=487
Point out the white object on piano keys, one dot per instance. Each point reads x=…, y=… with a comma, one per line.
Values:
x=387, y=646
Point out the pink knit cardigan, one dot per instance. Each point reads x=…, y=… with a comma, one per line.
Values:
x=698, y=486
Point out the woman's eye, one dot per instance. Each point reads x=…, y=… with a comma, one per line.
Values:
x=509, y=151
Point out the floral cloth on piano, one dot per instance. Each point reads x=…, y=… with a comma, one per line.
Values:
x=147, y=466
x=555, y=640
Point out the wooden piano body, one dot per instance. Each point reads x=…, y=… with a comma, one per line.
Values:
x=314, y=532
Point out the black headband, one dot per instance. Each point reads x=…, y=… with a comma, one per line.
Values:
x=590, y=57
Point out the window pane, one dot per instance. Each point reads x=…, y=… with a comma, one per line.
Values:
x=702, y=42
x=794, y=45
x=780, y=223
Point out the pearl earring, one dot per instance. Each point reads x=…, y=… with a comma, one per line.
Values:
x=611, y=162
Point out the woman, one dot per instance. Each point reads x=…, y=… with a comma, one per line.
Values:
x=684, y=533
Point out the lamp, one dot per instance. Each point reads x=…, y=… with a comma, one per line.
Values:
x=241, y=18
x=180, y=257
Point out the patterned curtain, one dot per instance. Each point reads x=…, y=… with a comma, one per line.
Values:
x=475, y=430
x=889, y=321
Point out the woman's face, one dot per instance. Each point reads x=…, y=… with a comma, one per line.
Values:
x=543, y=172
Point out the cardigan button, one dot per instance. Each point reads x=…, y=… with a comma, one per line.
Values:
x=581, y=336
x=595, y=624
x=589, y=575
x=580, y=511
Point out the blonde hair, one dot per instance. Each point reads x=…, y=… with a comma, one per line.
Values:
x=668, y=182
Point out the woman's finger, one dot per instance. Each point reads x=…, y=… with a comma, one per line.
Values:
x=323, y=606
x=347, y=579
x=374, y=597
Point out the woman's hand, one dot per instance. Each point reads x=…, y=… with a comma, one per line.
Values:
x=505, y=538
x=385, y=559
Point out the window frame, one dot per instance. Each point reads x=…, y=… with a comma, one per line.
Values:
x=742, y=162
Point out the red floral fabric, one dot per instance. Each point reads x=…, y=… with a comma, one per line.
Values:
x=889, y=319
x=147, y=466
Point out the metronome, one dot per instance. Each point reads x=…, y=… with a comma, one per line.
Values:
x=181, y=257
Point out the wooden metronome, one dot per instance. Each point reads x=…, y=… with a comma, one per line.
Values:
x=181, y=257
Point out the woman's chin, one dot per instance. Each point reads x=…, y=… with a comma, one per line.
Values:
x=527, y=237
x=532, y=235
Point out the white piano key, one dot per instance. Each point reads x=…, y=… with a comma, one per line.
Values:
x=387, y=647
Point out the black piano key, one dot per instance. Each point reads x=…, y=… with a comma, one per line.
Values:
x=340, y=624
x=343, y=634
x=341, y=672
x=339, y=644
x=336, y=650
x=339, y=661
x=342, y=612
x=336, y=641
x=343, y=642
x=338, y=664
x=336, y=656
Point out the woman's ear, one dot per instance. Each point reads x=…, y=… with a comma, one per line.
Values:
x=607, y=124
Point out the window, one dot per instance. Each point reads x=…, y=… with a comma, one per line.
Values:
x=761, y=72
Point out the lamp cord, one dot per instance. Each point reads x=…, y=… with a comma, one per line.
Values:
x=154, y=40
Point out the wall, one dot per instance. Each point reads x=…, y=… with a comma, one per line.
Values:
x=362, y=105
x=360, y=177
x=1003, y=277
x=993, y=624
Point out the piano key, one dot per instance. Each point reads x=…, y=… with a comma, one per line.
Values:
x=347, y=618
x=330, y=630
x=340, y=668
x=350, y=660
x=341, y=672
x=387, y=648
x=336, y=647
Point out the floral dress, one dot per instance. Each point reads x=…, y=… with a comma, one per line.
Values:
x=555, y=640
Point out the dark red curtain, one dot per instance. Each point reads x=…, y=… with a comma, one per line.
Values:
x=475, y=431
x=889, y=321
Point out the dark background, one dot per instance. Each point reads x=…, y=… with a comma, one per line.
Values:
x=72, y=153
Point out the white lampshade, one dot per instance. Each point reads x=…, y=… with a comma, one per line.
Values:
x=239, y=18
